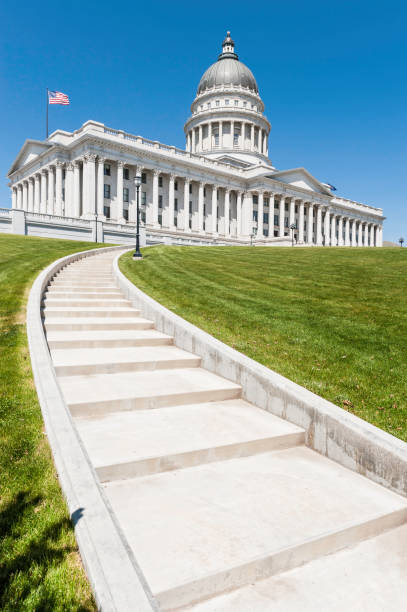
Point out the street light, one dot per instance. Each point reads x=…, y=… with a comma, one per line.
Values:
x=137, y=182
x=292, y=228
x=401, y=240
x=253, y=234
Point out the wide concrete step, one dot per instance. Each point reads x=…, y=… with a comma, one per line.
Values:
x=82, y=294
x=141, y=442
x=107, y=338
x=78, y=286
x=200, y=531
x=98, y=301
x=97, y=394
x=96, y=323
x=72, y=362
x=94, y=311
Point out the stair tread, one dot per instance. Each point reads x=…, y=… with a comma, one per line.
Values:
x=102, y=387
x=106, y=334
x=187, y=524
x=369, y=577
x=85, y=356
x=132, y=436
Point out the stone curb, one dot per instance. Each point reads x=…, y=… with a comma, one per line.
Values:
x=116, y=580
x=330, y=430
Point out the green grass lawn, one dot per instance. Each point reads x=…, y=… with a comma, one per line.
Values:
x=332, y=320
x=40, y=567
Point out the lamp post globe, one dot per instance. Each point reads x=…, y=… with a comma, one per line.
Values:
x=292, y=228
x=137, y=182
x=401, y=241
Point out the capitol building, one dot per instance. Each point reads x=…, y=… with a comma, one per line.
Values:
x=222, y=189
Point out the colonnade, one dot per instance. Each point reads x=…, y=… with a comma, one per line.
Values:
x=241, y=135
x=77, y=189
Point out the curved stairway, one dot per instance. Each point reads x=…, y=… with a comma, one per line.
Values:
x=221, y=503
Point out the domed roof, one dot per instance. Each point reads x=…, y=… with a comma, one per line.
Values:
x=227, y=71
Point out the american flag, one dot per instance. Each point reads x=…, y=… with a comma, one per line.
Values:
x=57, y=97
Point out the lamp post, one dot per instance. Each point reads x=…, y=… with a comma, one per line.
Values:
x=137, y=182
x=292, y=228
x=253, y=234
x=401, y=240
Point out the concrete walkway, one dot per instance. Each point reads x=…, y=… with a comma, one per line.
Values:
x=221, y=503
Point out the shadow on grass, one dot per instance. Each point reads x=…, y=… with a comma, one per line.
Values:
x=26, y=570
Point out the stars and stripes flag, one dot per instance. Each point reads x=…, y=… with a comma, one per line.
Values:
x=57, y=97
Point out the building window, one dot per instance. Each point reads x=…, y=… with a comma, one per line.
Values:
x=125, y=194
x=227, y=102
x=265, y=218
x=106, y=192
x=175, y=185
x=209, y=105
x=245, y=104
x=160, y=181
x=160, y=201
x=126, y=214
x=160, y=219
x=204, y=192
x=190, y=188
x=175, y=203
x=143, y=198
x=143, y=217
x=190, y=207
x=266, y=202
x=217, y=103
x=236, y=138
x=255, y=215
x=126, y=174
x=216, y=136
x=106, y=169
x=236, y=102
x=286, y=222
x=275, y=219
x=296, y=208
x=175, y=220
x=286, y=208
x=266, y=233
x=144, y=178
x=106, y=211
x=255, y=199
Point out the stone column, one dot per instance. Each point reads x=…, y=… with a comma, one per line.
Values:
x=220, y=134
x=260, y=210
x=200, y=215
x=200, y=147
x=153, y=209
x=360, y=233
x=119, y=203
x=380, y=236
x=372, y=243
x=214, y=210
x=51, y=190
x=171, y=192
x=354, y=238
x=247, y=214
x=271, y=215
x=252, y=137
x=238, y=213
x=232, y=132
x=281, y=216
x=186, y=205
x=14, y=197
x=210, y=135
x=301, y=223
x=36, y=193
x=347, y=232
x=227, y=213
x=58, y=188
x=69, y=206
x=193, y=140
x=43, y=197
x=30, y=194
x=327, y=238
x=25, y=196
x=291, y=219
x=366, y=235
x=318, y=238
x=100, y=188
x=340, y=231
x=19, y=203
x=310, y=223
x=89, y=181
x=333, y=231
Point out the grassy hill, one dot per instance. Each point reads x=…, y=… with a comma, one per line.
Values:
x=40, y=567
x=333, y=320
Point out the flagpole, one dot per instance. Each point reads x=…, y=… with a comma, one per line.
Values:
x=47, y=111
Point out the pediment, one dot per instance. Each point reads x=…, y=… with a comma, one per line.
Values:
x=29, y=151
x=299, y=177
x=233, y=161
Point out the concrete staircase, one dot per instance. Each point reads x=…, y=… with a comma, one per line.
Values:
x=221, y=503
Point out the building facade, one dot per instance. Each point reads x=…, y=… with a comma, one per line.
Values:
x=223, y=189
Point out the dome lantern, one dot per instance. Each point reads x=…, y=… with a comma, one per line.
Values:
x=228, y=48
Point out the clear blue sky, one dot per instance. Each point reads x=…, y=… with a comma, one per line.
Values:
x=332, y=75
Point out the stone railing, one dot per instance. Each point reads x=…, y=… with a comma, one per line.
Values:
x=45, y=218
x=5, y=212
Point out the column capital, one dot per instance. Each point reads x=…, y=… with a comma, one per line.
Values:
x=120, y=163
x=187, y=180
x=156, y=172
x=44, y=172
x=90, y=157
x=202, y=184
x=101, y=159
x=173, y=176
x=59, y=163
x=70, y=166
x=76, y=163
